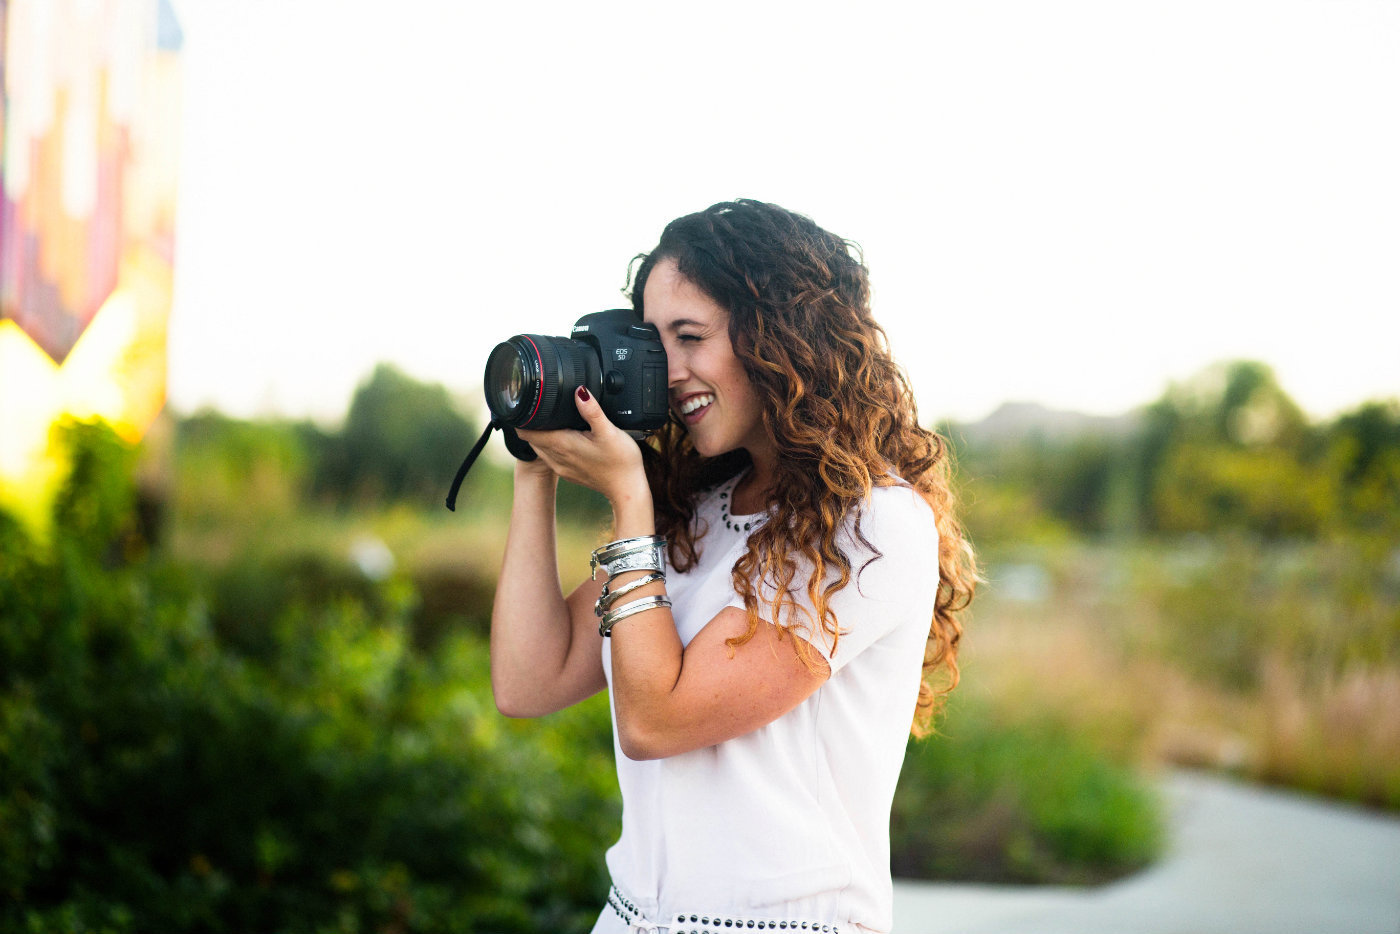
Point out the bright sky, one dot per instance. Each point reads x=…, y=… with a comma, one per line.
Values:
x=1070, y=202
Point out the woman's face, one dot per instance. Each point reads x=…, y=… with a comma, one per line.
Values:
x=710, y=392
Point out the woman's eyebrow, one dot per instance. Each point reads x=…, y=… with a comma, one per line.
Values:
x=679, y=323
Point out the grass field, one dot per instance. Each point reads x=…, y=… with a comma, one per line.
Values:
x=1281, y=665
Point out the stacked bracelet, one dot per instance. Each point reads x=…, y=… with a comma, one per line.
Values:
x=641, y=604
x=609, y=597
x=643, y=553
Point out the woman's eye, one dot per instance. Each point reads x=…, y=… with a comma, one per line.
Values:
x=683, y=338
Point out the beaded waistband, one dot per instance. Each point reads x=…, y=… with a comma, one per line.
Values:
x=702, y=923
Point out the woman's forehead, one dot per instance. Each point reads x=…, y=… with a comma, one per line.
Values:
x=671, y=301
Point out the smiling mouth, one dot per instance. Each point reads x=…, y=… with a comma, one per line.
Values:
x=694, y=404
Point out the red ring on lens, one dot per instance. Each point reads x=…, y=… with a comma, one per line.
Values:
x=539, y=388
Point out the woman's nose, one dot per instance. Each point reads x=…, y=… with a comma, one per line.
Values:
x=676, y=372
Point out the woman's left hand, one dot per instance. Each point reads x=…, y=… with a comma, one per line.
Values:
x=603, y=458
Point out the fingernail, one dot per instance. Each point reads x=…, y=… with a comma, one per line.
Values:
x=583, y=394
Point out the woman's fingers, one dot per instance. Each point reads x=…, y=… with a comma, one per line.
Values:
x=589, y=408
x=597, y=458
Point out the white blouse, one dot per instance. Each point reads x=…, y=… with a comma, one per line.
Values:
x=790, y=821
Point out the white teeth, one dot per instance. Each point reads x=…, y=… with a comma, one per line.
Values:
x=695, y=402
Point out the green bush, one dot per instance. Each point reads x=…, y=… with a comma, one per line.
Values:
x=1027, y=801
x=153, y=779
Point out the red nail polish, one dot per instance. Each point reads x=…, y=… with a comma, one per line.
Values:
x=583, y=393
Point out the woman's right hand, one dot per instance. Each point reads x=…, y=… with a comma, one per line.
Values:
x=602, y=457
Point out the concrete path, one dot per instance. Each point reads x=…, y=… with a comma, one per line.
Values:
x=1241, y=860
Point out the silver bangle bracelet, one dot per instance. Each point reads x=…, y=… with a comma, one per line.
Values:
x=640, y=605
x=649, y=560
x=609, y=597
x=614, y=549
x=608, y=555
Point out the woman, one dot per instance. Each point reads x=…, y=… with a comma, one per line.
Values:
x=766, y=660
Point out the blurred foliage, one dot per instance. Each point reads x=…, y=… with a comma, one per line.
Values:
x=321, y=775
x=1227, y=451
x=264, y=467
x=261, y=731
x=401, y=439
x=1230, y=608
x=401, y=442
x=1225, y=546
x=1025, y=799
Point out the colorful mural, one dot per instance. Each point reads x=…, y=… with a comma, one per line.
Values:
x=89, y=118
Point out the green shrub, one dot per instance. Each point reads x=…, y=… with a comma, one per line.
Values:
x=1028, y=801
x=151, y=778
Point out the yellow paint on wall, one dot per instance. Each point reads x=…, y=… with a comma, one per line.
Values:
x=115, y=372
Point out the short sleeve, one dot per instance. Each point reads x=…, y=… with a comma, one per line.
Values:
x=894, y=579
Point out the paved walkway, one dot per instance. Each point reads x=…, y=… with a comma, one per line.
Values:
x=1241, y=860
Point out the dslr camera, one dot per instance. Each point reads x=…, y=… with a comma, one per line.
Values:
x=530, y=381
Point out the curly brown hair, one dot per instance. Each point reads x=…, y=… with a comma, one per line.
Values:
x=839, y=408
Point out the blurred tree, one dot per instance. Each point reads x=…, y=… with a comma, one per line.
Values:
x=1080, y=482
x=1254, y=411
x=1162, y=425
x=1226, y=450
x=1029, y=486
x=1223, y=450
x=1213, y=487
x=1238, y=403
x=402, y=439
x=1362, y=448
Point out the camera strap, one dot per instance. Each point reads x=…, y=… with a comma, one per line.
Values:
x=518, y=448
x=467, y=465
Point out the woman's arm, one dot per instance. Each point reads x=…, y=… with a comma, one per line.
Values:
x=668, y=698
x=545, y=652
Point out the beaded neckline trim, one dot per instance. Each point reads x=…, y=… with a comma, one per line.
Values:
x=742, y=523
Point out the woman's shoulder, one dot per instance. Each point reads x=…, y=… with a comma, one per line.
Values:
x=895, y=519
x=898, y=505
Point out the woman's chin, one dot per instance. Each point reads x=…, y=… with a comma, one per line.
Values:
x=702, y=447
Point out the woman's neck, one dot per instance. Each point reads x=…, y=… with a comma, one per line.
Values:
x=754, y=490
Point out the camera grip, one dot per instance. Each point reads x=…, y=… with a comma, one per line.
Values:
x=521, y=449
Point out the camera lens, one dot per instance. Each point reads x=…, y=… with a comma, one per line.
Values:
x=510, y=385
x=514, y=383
x=530, y=381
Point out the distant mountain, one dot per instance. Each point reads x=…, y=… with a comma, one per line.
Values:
x=1013, y=421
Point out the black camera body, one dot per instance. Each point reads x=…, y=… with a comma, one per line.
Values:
x=530, y=382
x=530, y=378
